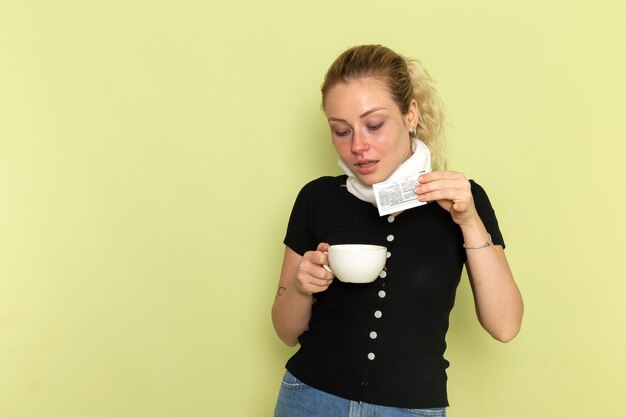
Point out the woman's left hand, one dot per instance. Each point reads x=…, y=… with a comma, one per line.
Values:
x=452, y=191
x=499, y=304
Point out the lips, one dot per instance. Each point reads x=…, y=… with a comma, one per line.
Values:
x=365, y=166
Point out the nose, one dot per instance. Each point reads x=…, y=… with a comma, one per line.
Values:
x=360, y=143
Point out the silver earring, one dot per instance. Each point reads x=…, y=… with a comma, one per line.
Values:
x=414, y=132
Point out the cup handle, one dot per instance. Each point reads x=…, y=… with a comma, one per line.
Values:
x=326, y=267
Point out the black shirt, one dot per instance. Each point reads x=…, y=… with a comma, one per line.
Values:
x=383, y=342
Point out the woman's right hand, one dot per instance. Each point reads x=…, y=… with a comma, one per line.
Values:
x=300, y=277
x=312, y=277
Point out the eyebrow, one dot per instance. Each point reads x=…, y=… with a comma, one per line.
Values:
x=367, y=113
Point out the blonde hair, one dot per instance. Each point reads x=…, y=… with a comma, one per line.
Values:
x=406, y=79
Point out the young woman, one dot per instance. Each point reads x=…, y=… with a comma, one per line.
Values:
x=377, y=349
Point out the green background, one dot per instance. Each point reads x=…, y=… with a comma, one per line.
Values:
x=150, y=152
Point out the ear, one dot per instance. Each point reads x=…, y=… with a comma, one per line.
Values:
x=412, y=116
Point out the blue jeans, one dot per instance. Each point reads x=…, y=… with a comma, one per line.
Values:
x=297, y=399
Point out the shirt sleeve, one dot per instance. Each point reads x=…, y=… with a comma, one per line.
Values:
x=487, y=213
x=300, y=235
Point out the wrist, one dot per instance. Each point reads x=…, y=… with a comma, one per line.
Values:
x=300, y=292
x=473, y=224
x=475, y=235
x=488, y=242
x=304, y=294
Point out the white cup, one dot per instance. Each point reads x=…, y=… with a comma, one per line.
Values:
x=356, y=263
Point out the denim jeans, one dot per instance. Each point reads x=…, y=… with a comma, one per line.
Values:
x=297, y=399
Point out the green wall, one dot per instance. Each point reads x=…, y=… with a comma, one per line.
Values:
x=150, y=152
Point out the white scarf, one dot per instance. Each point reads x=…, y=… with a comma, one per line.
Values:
x=418, y=162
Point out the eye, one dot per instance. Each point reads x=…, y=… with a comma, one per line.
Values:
x=375, y=127
x=342, y=133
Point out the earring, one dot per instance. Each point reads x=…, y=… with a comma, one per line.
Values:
x=414, y=133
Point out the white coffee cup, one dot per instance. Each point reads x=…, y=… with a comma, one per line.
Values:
x=356, y=263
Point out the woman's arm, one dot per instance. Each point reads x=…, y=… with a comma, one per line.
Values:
x=300, y=277
x=498, y=301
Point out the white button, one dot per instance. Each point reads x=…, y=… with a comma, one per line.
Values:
x=390, y=219
x=373, y=335
x=378, y=314
x=390, y=238
x=371, y=356
x=382, y=293
x=382, y=274
x=388, y=255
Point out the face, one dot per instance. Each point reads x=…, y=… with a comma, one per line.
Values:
x=369, y=132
